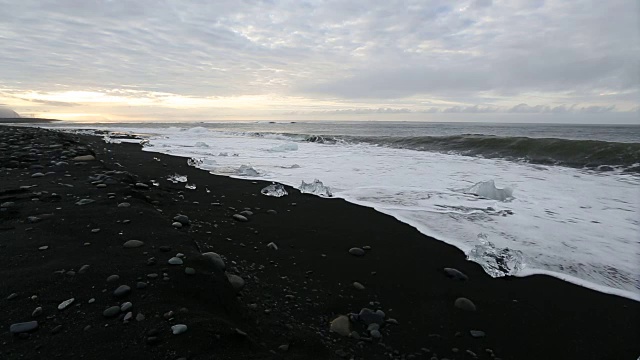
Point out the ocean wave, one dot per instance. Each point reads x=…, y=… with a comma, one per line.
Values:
x=592, y=154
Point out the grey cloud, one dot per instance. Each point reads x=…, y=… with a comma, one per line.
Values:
x=476, y=51
x=354, y=111
x=476, y=109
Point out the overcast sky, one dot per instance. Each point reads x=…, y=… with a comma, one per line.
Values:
x=559, y=61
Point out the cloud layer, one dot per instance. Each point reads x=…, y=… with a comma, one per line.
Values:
x=332, y=57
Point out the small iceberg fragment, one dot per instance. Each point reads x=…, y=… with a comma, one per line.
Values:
x=285, y=147
x=495, y=261
x=176, y=178
x=197, y=130
x=488, y=190
x=110, y=140
x=316, y=188
x=245, y=170
x=190, y=186
x=276, y=190
x=195, y=162
x=145, y=143
x=201, y=144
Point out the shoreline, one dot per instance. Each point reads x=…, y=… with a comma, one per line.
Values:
x=522, y=318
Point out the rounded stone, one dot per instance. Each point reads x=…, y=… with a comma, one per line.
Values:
x=356, y=251
x=341, y=325
x=178, y=329
x=236, y=281
x=216, y=260
x=375, y=334
x=19, y=328
x=126, y=306
x=189, y=271
x=122, y=290
x=455, y=274
x=358, y=286
x=183, y=219
x=240, y=217
x=133, y=244
x=175, y=261
x=63, y=305
x=176, y=225
x=113, y=278
x=111, y=312
x=464, y=304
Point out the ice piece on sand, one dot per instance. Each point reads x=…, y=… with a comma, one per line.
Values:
x=488, y=190
x=177, y=178
x=495, y=261
x=190, y=186
x=194, y=162
x=274, y=189
x=246, y=170
x=316, y=188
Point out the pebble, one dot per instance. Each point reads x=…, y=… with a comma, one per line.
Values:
x=56, y=329
x=63, y=305
x=122, y=290
x=189, y=271
x=358, y=286
x=356, y=251
x=284, y=348
x=140, y=317
x=175, y=261
x=126, y=306
x=456, y=274
x=19, y=328
x=182, y=219
x=464, y=304
x=272, y=212
x=133, y=244
x=36, y=175
x=113, y=278
x=178, y=329
x=216, y=260
x=236, y=281
x=96, y=230
x=84, y=158
x=477, y=333
x=84, y=202
x=141, y=285
x=37, y=312
x=272, y=246
x=375, y=334
x=83, y=269
x=176, y=225
x=124, y=205
x=112, y=311
x=341, y=325
x=373, y=326
x=91, y=301
x=142, y=185
x=240, y=218
x=12, y=296
x=368, y=316
x=43, y=248
x=128, y=316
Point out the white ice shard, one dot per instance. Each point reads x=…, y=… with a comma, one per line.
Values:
x=201, y=144
x=276, y=190
x=316, y=188
x=177, y=178
x=195, y=162
x=246, y=170
x=488, y=190
x=190, y=186
x=285, y=147
x=495, y=261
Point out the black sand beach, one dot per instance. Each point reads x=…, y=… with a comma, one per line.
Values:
x=53, y=249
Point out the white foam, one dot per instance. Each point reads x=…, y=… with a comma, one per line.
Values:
x=577, y=225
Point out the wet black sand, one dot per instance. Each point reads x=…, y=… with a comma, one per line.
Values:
x=290, y=294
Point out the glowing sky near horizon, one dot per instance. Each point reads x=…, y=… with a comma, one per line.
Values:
x=553, y=61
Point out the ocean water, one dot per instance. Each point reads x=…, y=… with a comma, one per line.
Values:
x=522, y=199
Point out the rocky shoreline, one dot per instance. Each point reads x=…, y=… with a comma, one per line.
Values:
x=104, y=257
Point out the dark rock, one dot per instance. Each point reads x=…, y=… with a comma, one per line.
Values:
x=456, y=274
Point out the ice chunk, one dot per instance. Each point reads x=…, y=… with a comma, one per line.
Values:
x=495, y=261
x=245, y=170
x=488, y=190
x=110, y=140
x=201, y=144
x=177, y=178
x=223, y=154
x=145, y=143
x=274, y=189
x=285, y=147
x=195, y=162
x=190, y=186
x=316, y=188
